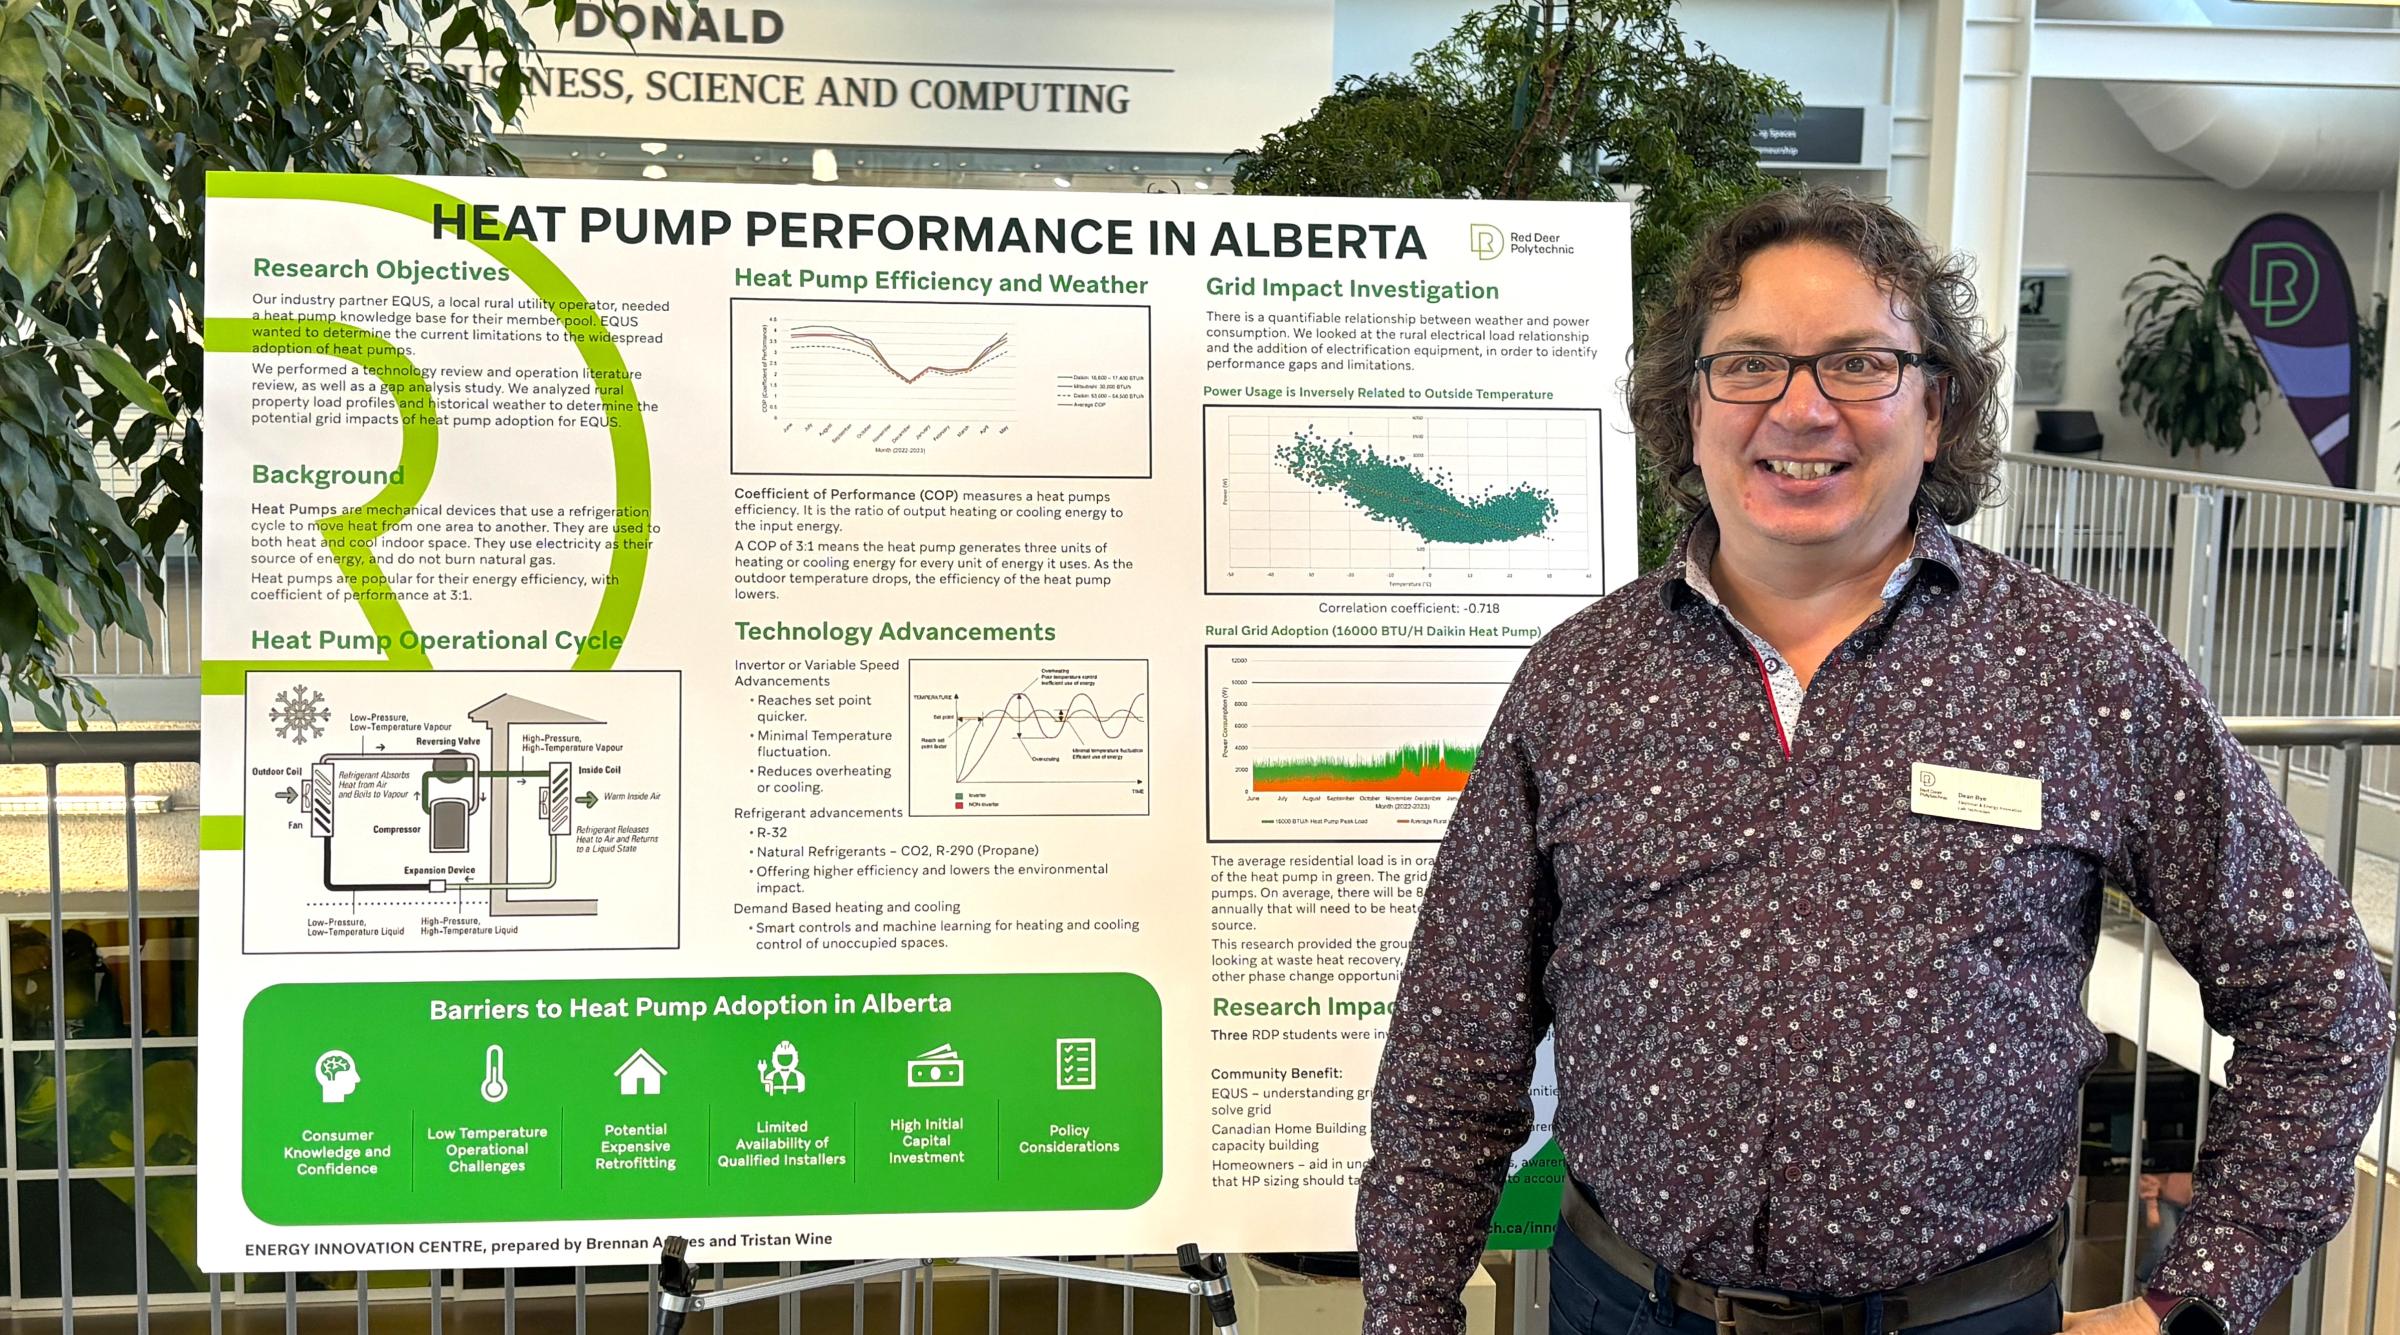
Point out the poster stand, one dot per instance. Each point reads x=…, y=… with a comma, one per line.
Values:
x=1204, y=1277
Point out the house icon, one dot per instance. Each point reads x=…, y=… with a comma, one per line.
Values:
x=639, y=1074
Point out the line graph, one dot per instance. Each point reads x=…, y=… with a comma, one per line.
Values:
x=1320, y=742
x=1028, y=737
x=808, y=337
x=1393, y=500
x=964, y=389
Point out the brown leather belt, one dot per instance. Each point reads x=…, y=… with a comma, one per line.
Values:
x=2020, y=1272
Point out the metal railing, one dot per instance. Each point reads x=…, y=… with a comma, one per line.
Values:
x=2281, y=597
x=620, y=1296
x=908, y=1302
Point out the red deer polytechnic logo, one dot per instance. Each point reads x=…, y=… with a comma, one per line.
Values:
x=1486, y=241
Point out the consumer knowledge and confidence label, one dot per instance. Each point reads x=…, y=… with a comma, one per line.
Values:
x=854, y=723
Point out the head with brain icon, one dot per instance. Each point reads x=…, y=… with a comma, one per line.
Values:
x=337, y=1075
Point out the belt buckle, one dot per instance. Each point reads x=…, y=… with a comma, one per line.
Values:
x=1726, y=1298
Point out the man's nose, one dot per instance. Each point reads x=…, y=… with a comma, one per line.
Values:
x=1804, y=406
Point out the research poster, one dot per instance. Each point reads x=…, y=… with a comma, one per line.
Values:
x=848, y=723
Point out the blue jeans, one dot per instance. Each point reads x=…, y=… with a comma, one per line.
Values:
x=1588, y=1298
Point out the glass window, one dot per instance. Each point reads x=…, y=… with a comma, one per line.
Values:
x=103, y=1233
x=86, y=973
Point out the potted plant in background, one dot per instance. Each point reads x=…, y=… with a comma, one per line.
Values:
x=1560, y=100
x=2189, y=373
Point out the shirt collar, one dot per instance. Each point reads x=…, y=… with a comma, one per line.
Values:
x=1687, y=568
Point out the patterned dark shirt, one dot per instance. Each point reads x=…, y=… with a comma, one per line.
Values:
x=1811, y=1042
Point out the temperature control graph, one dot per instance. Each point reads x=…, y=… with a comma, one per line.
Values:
x=1321, y=742
x=962, y=389
x=1389, y=500
x=1028, y=737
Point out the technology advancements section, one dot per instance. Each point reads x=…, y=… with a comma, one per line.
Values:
x=905, y=722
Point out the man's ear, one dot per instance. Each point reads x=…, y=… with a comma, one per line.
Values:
x=1938, y=390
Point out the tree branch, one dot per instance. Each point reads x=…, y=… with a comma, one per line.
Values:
x=1537, y=125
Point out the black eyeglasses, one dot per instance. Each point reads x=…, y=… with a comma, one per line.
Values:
x=1845, y=375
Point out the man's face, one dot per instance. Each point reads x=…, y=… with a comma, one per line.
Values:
x=1803, y=298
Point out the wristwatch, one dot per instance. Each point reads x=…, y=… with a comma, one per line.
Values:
x=2193, y=1316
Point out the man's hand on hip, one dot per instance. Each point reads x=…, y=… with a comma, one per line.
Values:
x=2133, y=1318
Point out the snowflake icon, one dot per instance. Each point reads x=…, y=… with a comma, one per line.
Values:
x=299, y=714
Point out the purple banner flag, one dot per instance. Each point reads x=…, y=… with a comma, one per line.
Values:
x=2292, y=289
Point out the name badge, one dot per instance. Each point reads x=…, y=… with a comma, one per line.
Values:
x=1968, y=794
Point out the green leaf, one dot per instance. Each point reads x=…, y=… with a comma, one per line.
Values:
x=16, y=131
x=101, y=509
x=128, y=154
x=58, y=227
x=111, y=366
x=99, y=62
x=52, y=602
x=25, y=205
x=23, y=64
x=464, y=24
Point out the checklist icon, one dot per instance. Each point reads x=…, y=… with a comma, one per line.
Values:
x=1078, y=1063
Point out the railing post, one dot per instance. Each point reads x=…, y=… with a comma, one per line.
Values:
x=2065, y=538
x=2192, y=596
x=2348, y=768
x=2308, y=1296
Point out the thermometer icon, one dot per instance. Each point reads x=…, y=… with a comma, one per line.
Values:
x=495, y=1085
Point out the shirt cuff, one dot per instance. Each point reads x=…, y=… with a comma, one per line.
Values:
x=1389, y=1322
x=2231, y=1268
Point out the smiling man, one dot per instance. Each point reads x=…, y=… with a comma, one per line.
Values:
x=1796, y=846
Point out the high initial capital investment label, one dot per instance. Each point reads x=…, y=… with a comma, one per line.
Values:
x=911, y=722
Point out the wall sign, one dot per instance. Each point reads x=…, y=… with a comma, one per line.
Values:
x=1120, y=76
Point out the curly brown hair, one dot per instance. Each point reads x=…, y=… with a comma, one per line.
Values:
x=1935, y=290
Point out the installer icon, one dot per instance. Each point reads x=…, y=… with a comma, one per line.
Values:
x=780, y=1074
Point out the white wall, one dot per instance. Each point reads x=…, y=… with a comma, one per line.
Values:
x=2100, y=202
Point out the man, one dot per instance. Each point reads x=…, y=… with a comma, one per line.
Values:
x=1816, y=1006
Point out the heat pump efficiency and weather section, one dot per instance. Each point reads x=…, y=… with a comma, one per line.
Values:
x=940, y=388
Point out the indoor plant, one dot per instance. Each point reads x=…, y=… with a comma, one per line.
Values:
x=2187, y=371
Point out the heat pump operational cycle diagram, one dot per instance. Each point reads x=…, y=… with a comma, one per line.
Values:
x=462, y=811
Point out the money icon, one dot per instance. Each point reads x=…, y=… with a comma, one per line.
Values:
x=938, y=1069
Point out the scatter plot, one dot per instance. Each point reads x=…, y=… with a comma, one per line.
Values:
x=1399, y=492
x=1368, y=500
